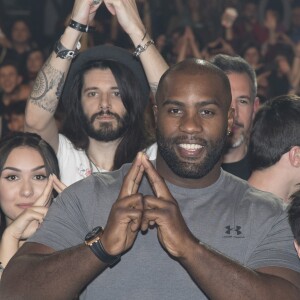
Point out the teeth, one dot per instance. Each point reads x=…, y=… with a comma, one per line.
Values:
x=190, y=146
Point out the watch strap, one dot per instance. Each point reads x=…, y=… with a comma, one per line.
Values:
x=100, y=252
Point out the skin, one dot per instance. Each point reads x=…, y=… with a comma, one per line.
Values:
x=25, y=192
x=245, y=107
x=9, y=79
x=133, y=211
x=100, y=92
x=191, y=111
x=22, y=181
x=35, y=62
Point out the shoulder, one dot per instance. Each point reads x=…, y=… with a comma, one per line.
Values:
x=250, y=198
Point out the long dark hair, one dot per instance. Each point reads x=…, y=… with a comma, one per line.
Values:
x=30, y=140
x=133, y=139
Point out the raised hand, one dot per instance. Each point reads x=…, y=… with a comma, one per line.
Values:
x=163, y=211
x=126, y=214
x=127, y=14
x=84, y=11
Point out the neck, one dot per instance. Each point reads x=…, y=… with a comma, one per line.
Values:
x=235, y=154
x=102, y=154
x=207, y=180
x=272, y=180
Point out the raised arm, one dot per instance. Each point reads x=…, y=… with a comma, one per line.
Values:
x=128, y=17
x=43, y=101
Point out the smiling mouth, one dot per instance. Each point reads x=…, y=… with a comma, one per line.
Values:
x=190, y=147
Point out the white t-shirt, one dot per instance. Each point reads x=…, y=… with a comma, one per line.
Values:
x=74, y=164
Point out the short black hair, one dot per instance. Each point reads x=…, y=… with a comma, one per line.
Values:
x=276, y=128
x=294, y=215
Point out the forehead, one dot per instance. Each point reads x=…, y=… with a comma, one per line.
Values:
x=8, y=70
x=240, y=84
x=24, y=155
x=199, y=86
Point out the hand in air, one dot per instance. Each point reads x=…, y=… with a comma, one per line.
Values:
x=163, y=211
x=126, y=214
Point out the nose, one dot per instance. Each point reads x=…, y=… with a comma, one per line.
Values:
x=26, y=189
x=104, y=102
x=190, y=123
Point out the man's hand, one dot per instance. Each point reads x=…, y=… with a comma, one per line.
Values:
x=163, y=211
x=84, y=11
x=126, y=214
x=127, y=14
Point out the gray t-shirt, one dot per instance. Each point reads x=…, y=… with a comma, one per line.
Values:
x=239, y=221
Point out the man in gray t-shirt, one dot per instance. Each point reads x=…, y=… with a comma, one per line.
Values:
x=185, y=230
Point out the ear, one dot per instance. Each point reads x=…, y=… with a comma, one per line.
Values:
x=155, y=111
x=230, y=120
x=255, y=106
x=297, y=246
x=294, y=156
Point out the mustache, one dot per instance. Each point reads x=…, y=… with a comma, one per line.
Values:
x=238, y=124
x=102, y=113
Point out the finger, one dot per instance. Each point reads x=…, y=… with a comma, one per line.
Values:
x=43, y=200
x=131, y=202
x=110, y=7
x=133, y=178
x=57, y=184
x=31, y=214
x=157, y=183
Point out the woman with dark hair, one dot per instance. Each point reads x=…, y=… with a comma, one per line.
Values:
x=28, y=174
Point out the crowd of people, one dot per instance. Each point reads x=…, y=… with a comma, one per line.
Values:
x=151, y=160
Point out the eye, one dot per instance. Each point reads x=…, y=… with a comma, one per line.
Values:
x=207, y=113
x=11, y=177
x=39, y=177
x=91, y=94
x=117, y=94
x=243, y=101
x=175, y=111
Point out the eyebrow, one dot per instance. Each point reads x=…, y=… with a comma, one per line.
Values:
x=92, y=88
x=200, y=103
x=18, y=170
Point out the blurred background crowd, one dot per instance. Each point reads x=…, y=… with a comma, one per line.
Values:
x=266, y=33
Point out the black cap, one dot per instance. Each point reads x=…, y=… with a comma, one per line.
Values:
x=108, y=52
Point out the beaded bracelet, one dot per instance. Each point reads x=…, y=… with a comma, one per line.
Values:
x=81, y=27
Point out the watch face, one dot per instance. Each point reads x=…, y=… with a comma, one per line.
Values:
x=93, y=233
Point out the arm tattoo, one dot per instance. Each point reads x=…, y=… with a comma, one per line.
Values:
x=48, y=78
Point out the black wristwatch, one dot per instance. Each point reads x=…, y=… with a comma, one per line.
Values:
x=93, y=240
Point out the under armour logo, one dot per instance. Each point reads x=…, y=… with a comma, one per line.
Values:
x=234, y=231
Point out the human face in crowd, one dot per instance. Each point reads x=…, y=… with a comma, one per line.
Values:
x=16, y=122
x=105, y=115
x=9, y=79
x=244, y=107
x=20, y=32
x=192, y=119
x=252, y=56
x=35, y=61
x=22, y=181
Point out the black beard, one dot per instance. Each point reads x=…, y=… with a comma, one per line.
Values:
x=214, y=151
x=106, y=132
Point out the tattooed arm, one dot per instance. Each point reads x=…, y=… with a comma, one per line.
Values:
x=43, y=101
x=128, y=17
